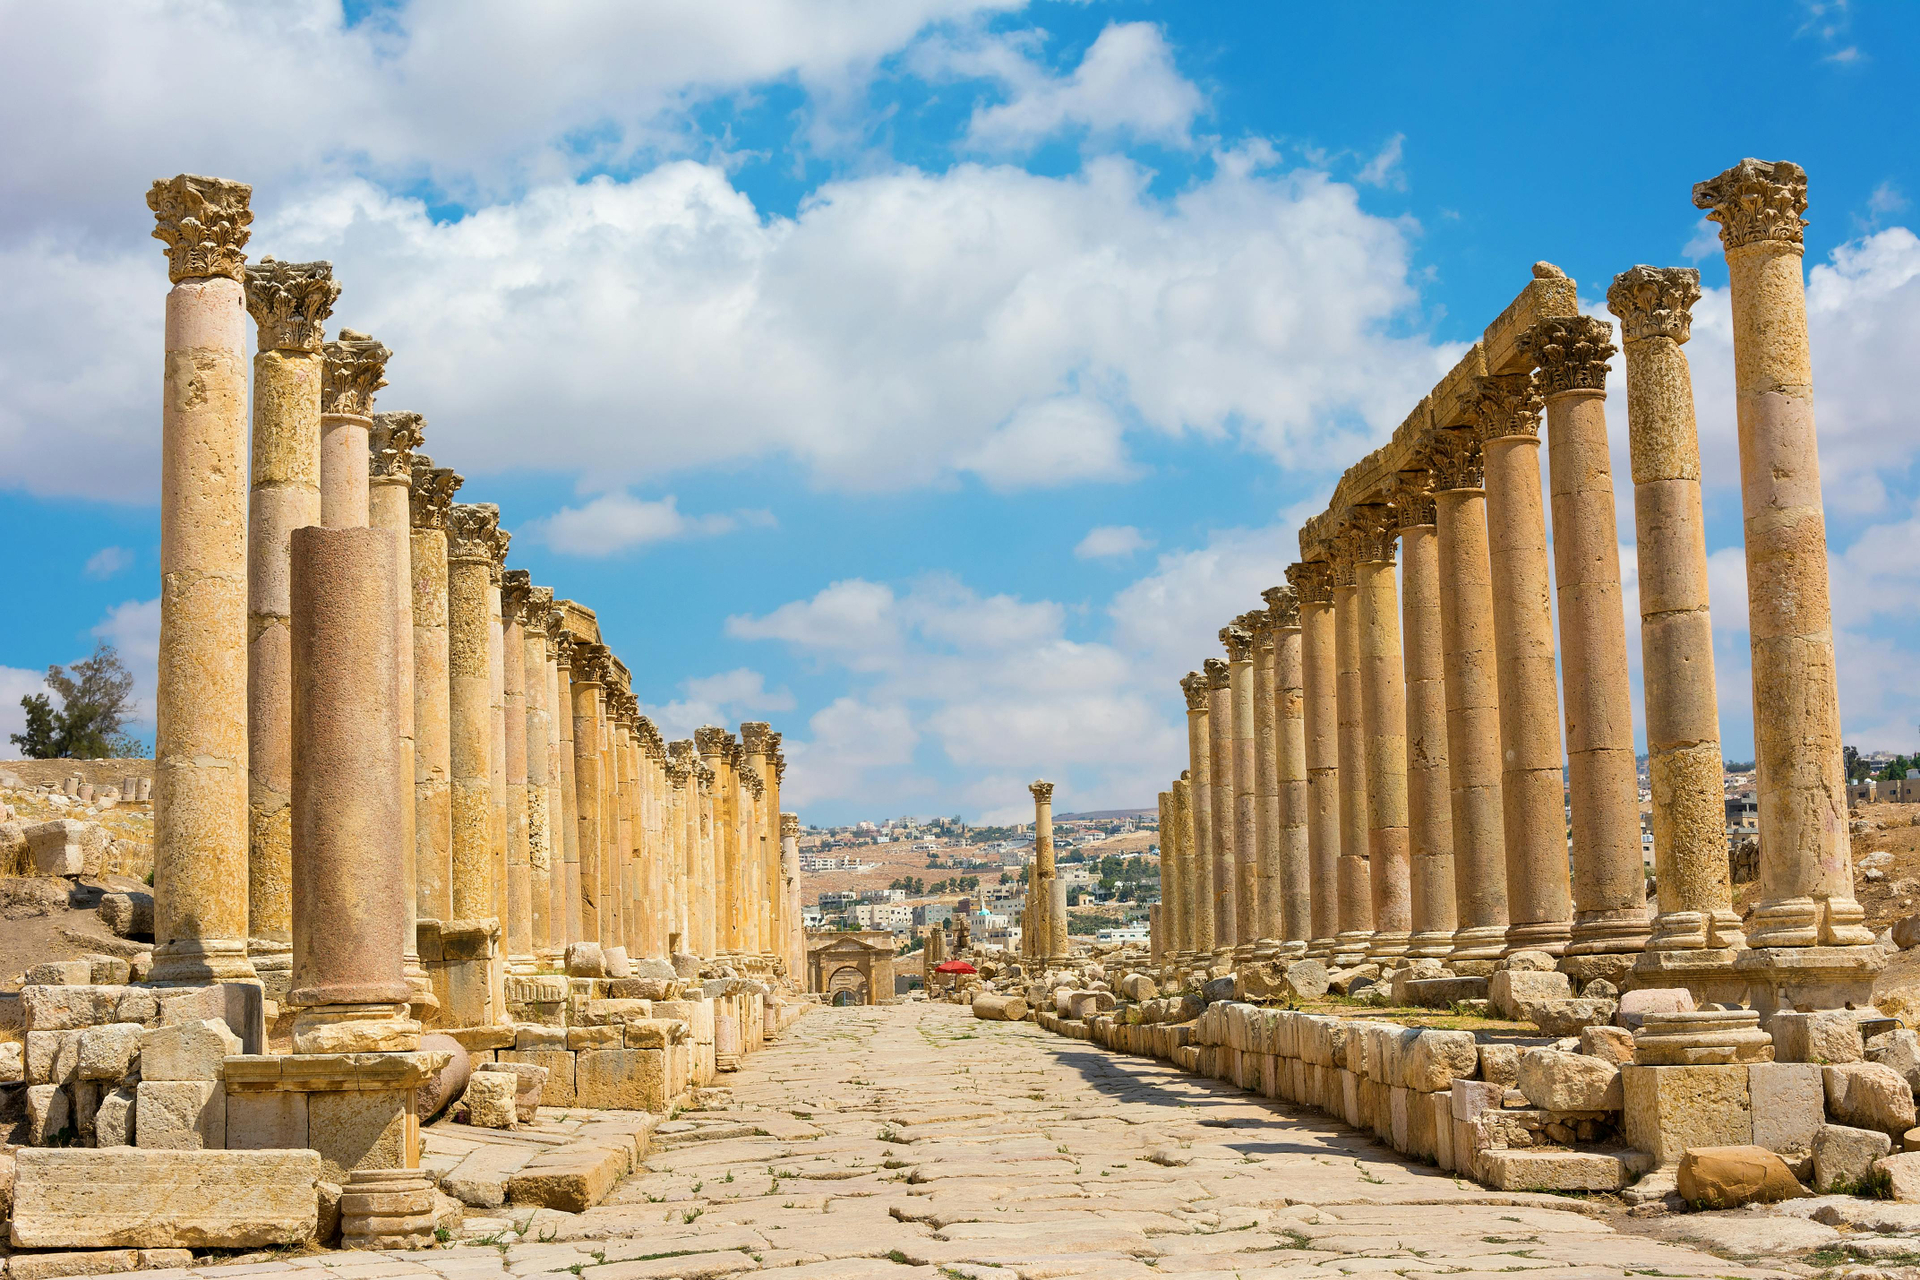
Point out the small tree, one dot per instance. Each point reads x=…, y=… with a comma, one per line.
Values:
x=94, y=705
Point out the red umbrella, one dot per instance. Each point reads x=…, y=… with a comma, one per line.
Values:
x=954, y=966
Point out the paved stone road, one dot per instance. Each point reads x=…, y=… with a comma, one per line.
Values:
x=913, y=1141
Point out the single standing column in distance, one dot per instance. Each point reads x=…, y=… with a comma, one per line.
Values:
x=1226, y=871
x=1200, y=805
x=289, y=302
x=1539, y=893
x=1045, y=871
x=1807, y=934
x=1293, y=838
x=1383, y=708
x=1697, y=933
x=1356, y=887
x=200, y=803
x=1312, y=582
x=1429, y=807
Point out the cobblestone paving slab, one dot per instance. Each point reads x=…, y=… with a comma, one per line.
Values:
x=913, y=1141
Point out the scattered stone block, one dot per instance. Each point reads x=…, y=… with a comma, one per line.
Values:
x=49, y=1115
x=52, y=1057
x=114, y=1122
x=66, y=847
x=1899, y=1050
x=131, y=1197
x=127, y=915
x=60, y=973
x=188, y=1050
x=1827, y=1037
x=618, y=966
x=1869, y=1096
x=1843, y=1155
x=489, y=1100
x=13, y=1062
x=1436, y=1059
x=621, y=1080
x=1566, y=1017
x=83, y=1262
x=1789, y=1105
x=1500, y=1064
x=557, y=1088
x=529, y=1083
x=586, y=960
x=1445, y=992
x=181, y=1115
x=1609, y=1044
x=1636, y=1005
x=63, y=1008
x=1669, y=1110
x=108, y=1052
x=1552, y=1170
x=1555, y=1081
x=1509, y=987
x=1728, y=1177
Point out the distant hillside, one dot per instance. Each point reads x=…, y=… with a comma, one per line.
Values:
x=1100, y=815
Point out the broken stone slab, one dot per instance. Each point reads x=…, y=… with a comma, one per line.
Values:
x=1636, y=1005
x=1435, y=1059
x=1842, y=1155
x=1444, y=992
x=529, y=1080
x=1826, y=1037
x=586, y=960
x=1868, y=1095
x=1553, y=1170
x=1902, y=1171
x=191, y=1050
x=66, y=847
x=70, y=1008
x=1555, y=1081
x=1509, y=987
x=1609, y=1044
x=489, y=1100
x=94, y=1262
x=1789, y=1105
x=108, y=1052
x=60, y=973
x=1899, y=1050
x=1566, y=1017
x=128, y=1197
x=1728, y=1177
x=127, y=915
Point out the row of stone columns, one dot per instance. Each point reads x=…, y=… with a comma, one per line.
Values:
x=372, y=733
x=1391, y=780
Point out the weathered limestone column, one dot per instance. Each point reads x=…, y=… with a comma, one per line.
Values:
x=350, y=989
x=699, y=871
x=1429, y=806
x=355, y=368
x=1806, y=925
x=1044, y=873
x=200, y=810
x=497, y=733
x=1697, y=934
x=1473, y=699
x=589, y=685
x=1293, y=845
x=1057, y=918
x=1189, y=905
x=289, y=302
x=679, y=776
x=790, y=871
x=1609, y=884
x=432, y=497
x=536, y=617
x=1226, y=868
x=1199, y=822
x=711, y=743
x=754, y=736
x=1265, y=764
x=559, y=788
x=515, y=599
x=1165, y=937
x=1539, y=896
x=567, y=891
x=1383, y=707
x=470, y=538
x=1245, y=825
x=1312, y=583
x=614, y=830
x=390, y=504
x=1355, y=887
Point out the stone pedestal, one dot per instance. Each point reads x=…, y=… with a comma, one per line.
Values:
x=1701, y=1038
x=387, y=1209
x=356, y=1109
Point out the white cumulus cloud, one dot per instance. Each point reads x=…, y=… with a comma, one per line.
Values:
x=1110, y=542
x=615, y=522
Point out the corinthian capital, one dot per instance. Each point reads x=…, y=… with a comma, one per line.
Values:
x=1259, y=624
x=1506, y=404
x=710, y=740
x=1374, y=528
x=592, y=663
x=1238, y=643
x=433, y=490
x=678, y=774
x=1571, y=353
x=789, y=826
x=1218, y=674
x=538, y=616
x=516, y=587
x=681, y=749
x=1456, y=460
x=203, y=222
x=755, y=733
x=1042, y=791
x=1193, y=686
x=1756, y=200
x=1413, y=499
x=1283, y=604
x=1655, y=302
x=355, y=369
x=290, y=302
x=1312, y=582
x=391, y=442
x=471, y=530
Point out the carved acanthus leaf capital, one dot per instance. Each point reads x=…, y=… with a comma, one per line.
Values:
x=1570, y=352
x=1457, y=460
x=755, y=734
x=391, y=442
x=710, y=740
x=516, y=587
x=563, y=646
x=1506, y=404
x=1283, y=604
x=472, y=529
x=1259, y=624
x=538, y=617
x=356, y=367
x=1655, y=302
x=432, y=494
x=678, y=774
x=1237, y=642
x=1193, y=686
x=1218, y=673
x=681, y=749
x=290, y=302
x=203, y=222
x=1756, y=200
x=1413, y=499
x=1312, y=581
x=789, y=826
x=1042, y=791
x=1372, y=533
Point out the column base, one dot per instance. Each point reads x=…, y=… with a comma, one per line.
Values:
x=1796, y=923
x=522, y=966
x=1430, y=946
x=1707, y=973
x=422, y=1000
x=359, y=1111
x=1617, y=932
x=1480, y=942
x=1246, y=953
x=387, y=1209
x=272, y=962
x=194, y=962
x=1717, y=930
x=1388, y=945
x=1806, y=979
x=1549, y=936
x=1319, y=948
x=354, y=1028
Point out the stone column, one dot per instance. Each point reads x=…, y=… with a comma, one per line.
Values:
x=711, y=743
x=1471, y=682
x=678, y=776
x=567, y=891
x=1355, y=885
x=390, y=505
x=535, y=621
x=1697, y=933
x=1266, y=786
x=1383, y=706
x=1246, y=852
x=1609, y=883
x=680, y=751
x=1429, y=811
x=471, y=531
x=754, y=735
x=355, y=368
x=790, y=868
x=349, y=988
x=1803, y=928
x=1057, y=919
x=200, y=826
x=1539, y=896
x=432, y=497
x=289, y=302
x=1312, y=583
x=1045, y=871
x=1199, y=821
x=1188, y=907
x=589, y=675
x=515, y=599
x=1293, y=845
x=1164, y=937
x=497, y=729
x=1226, y=867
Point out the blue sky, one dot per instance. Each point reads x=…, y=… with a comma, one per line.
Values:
x=932, y=377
